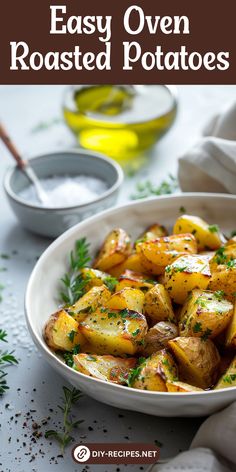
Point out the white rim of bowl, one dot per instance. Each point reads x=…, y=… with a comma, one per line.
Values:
x=104, y=195
x=54, y=359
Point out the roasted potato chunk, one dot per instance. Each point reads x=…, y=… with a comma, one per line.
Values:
x=157, y=304
x=133, y=262
x=182, y=387
x=62, y=332
x=154, y=372
x=198, y=360
x=224, y=256
x=230, y=339
x=135, y=280
x=207, y=236
x=116, y=248
x=115, y=332
x=158, y=336
x=152, y=232
x=97, y=296
x=128, y=297
x=228, y=379
x=224, y=278
x=205, y=314
x=156, y=255
x=185, y=274
x=95, y=277
x=109, y=368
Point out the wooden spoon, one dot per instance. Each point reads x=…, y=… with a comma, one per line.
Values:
x=23, y=165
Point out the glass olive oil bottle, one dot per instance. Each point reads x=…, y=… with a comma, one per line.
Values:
x=121, y=121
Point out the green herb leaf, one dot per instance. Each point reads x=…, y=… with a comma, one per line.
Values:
x=148, y=189
x=63, y=436
x=74, y=283
x=6, y=358
x=213, y=228
x=110, y=282
x=197, y=327
x=219, y=294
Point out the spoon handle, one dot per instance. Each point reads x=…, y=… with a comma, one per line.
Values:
x=11, y=147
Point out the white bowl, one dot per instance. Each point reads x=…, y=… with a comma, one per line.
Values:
x=52, y=222
x=42, y=292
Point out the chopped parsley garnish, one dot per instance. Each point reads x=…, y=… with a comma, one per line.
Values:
x=182, y=209
x=197, y=327
x=206, y=334
x=136, y=332
x=213, y=228
x=134, y=373
x=112, y=315
x=110, y=282
x=219, y=294
x=71, y=335
x=231, y=263
x=220, y=256
x=68, y=356
x=230, y=378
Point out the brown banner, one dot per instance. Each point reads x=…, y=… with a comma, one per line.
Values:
x=115, y=453
x=163, y=50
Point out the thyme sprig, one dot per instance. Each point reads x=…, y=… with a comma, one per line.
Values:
x=6, y=358
x=74, y=283
x=63, y=436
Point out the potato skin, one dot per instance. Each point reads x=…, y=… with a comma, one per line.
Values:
x=128, y=297
x=158, y=336
x=185, y=274
x=58, y=329
x=134, y=279
x=157, y=304
x=181, y=387
x=205, y=313
x=115, y=332
x=230, y=338
x=156, y=255
x=206, y=235
x=96, y=277
x=198, y=360
x=152, y=232
x=109, y=368
x=115, y=249
x=224, y=278
x=97, y=296
x=228, y=379
x=155, y=371
x=133, y=262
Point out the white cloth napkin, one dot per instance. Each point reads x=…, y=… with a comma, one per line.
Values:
x=213, y=449
x=210, y=166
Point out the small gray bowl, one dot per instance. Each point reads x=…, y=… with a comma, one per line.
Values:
x=52, y=222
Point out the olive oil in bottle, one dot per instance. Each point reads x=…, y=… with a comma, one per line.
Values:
x=121, y=121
